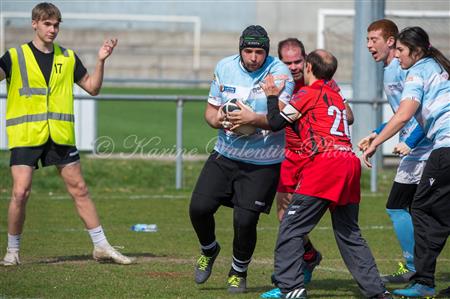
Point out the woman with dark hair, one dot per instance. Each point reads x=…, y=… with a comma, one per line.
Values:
x=426, y=95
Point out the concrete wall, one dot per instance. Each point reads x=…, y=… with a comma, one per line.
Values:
x=155, y=50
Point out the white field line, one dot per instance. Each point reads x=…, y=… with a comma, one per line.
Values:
x=142, y=259
x=266, y=228
x=124, y=196
x=140, y=196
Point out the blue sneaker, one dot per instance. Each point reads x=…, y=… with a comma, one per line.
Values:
x=276, y=293
x=307, y=271
x=415, y=290
x=273, y=293
x=296, y=294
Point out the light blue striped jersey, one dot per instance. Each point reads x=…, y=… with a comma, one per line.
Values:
x=427, y=83
x=233, y=81
x=412, y=133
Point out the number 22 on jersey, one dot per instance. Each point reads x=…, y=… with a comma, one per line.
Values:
x=339, y=116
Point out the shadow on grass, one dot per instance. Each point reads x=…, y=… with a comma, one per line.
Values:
x=326, y=288
x=88, y=257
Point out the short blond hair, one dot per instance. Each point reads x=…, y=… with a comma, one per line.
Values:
x=45, y=11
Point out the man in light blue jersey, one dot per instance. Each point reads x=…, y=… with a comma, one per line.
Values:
x=425, y=96
x=243, y=170
x=413, y=147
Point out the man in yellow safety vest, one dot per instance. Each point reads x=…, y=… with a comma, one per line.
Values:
x=40, y=124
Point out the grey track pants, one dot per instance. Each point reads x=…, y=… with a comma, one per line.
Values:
x=300, y=218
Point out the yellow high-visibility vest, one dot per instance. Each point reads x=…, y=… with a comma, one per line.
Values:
x=36, y=111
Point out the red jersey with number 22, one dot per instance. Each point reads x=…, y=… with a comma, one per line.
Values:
x=292, y=140
x=333, y=171
x=323, y=124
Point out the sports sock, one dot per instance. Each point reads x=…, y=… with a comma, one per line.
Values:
x=310, y=251
x=98, y=236
x=308, y=245
x=210, y=249
x=14, y=241
x=239, y=267
x=403, y=227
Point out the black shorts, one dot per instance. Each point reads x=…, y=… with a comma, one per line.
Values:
x=233, y=183
x=401, y=196
x=49, y=153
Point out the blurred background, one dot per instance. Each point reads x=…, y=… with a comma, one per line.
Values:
x=185, y=39
x=167, y=51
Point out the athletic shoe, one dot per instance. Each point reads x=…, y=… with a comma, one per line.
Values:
x=109, y=253
x=273, y=293
x=403, y=275
x=296, y=294
x=276, y=293
x=385, y=295
x=415, y=290
x=11, y=258
x=445, y=293
x=237, y=284
x=204, y=265
x=307, y=271
x=309, y=267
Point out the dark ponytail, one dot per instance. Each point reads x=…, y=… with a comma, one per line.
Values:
x=440, y=58
x=416, y=39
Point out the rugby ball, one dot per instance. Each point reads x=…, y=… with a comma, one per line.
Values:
x=231, y=106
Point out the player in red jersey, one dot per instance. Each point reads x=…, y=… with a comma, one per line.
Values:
x=329, y=179
x=292, y=52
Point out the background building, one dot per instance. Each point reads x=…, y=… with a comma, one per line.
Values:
x=184, y=39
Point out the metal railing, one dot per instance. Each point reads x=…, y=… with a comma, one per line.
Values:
x=179, y=100
x=179, y=122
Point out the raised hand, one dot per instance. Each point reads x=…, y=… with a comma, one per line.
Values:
x=107, y=48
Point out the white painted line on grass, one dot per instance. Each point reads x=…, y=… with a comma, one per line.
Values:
x=133, y=197
x=139, y=196
x=274, y=228
x=136, y=197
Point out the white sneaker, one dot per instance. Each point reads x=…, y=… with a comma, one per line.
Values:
x=110, y=253
x=11, y=257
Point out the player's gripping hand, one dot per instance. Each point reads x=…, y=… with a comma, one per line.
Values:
x=244, y=115
x=222, y=119
x=269, y=86
x=364, y=143
x=401, y=149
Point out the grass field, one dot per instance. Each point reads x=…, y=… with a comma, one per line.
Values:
x=56, y=250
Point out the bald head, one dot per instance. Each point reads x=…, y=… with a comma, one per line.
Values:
x=290, y=44
x=322, y=63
